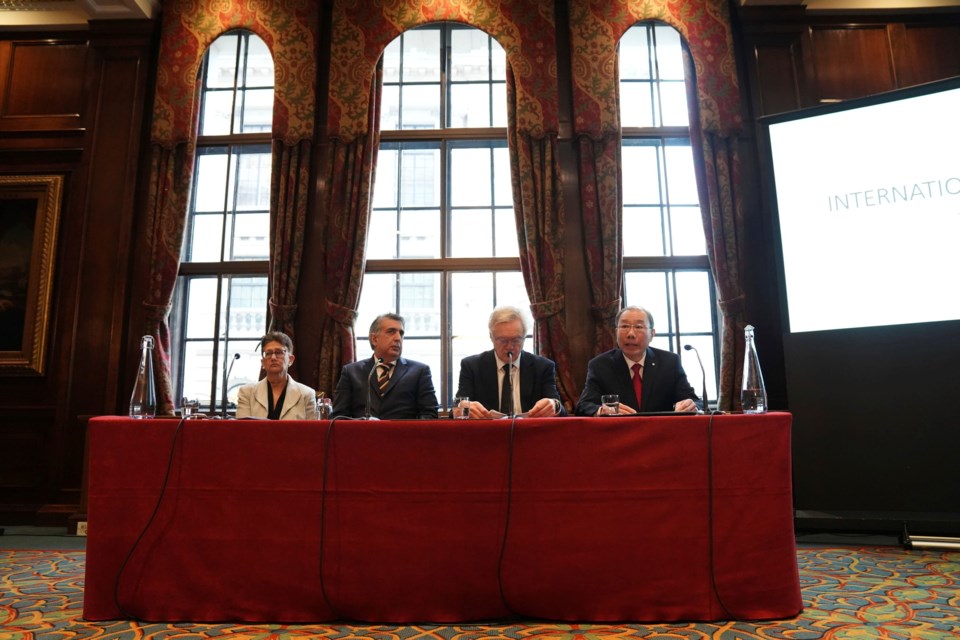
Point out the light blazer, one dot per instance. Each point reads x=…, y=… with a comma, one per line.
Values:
x=664, y=382
x=409, y=395
x=538, y=379
x=298, y=404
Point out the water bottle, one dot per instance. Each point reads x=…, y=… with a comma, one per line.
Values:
x=753, y=394
x=143, y=401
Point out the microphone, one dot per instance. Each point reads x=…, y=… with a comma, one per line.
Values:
x=226, y=379
x=690, y=347
x=373, y=369
x=510, y=373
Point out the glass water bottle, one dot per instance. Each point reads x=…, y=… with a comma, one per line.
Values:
x=143, y=401
x=753, y=394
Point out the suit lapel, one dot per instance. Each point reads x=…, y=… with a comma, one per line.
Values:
x=526, y=379
x=400, y=369
x=260, y=395
x=489, y=380
x=651, y=376
x=292, y=397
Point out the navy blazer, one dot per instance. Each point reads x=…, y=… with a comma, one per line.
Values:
x=538, y=379
x=664, y=382
x=409, y=395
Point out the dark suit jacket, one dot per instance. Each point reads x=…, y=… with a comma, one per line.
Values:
x=664, y=382
x=538, y=379
x=410, y=393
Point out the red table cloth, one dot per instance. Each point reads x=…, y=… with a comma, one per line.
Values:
x=592, y=519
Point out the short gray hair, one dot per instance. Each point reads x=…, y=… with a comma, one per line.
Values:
x=507, y=314
x=633, y=308
x=375, y=325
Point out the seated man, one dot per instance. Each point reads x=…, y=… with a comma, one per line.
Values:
x=398, y=389
x=278, y=396
x=646, y=379
x=530, y=388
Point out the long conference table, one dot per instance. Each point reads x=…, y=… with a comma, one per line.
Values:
x=590, y=519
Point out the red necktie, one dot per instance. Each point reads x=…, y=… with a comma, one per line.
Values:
x=637, y=384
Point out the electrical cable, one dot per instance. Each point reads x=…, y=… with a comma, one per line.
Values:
x=328, y=438
x=506, y=519
x=156, y=508
x=710, y=521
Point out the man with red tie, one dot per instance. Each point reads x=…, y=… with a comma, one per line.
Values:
x=646, y=379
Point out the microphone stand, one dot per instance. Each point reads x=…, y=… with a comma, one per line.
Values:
x=373, y=369
x=510, y=373
x=226, y=379
x=703, y=372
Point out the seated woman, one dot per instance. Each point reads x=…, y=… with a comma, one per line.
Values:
x=277, y=396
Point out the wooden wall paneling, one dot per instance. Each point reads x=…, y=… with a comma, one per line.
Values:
x=42, y=85
x=851, y=61
x=926, y=52
x=776, y=70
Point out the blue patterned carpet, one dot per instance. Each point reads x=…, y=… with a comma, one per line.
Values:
x=848, y=593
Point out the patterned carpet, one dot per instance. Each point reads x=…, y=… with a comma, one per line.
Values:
x=848, y=593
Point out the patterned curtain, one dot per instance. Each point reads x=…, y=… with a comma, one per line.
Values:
x=290, y=178
x=596, y=27
x=350, y=170
x=538, y=207
x=188, y=27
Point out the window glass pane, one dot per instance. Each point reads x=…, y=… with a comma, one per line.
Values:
x=687, y=231
x=419, y=303
x=499, y=105
x=641, y=174
x=253, y=178
x=469, y=55
x=421, y=55
x=506, y=233
x=651, y=290
x=420, y=177
x=470, y=180
x=471, y=233
x=498, y=59
x=203, y=244
x=681, y=178
x=377, y=295
x=390, y=108
x=502, y=186
x=420, y=106
x=201, y=308
x=382, y=235
x=391, y=62
x=471, y=301
x=216, y=113
x=634, y=55
x=196, y=371
x=385, y=185
x=251, y=236
x=419, y=233
x=511, y=291
x=705, y=347
x=673, y=101
x=636, y=107
x=257, y=111
x=693, y=299
x=222, y=61
x=669, y=53
x=470, y=105
x=642, y=231
x=259, y=72
x=211, y=179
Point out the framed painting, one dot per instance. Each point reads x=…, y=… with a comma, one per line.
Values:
x=29, y=215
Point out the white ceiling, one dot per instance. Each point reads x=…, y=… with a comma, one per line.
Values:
x=32, y=13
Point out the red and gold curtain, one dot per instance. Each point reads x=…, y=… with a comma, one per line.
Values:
x=596, y=27
x=289, y=28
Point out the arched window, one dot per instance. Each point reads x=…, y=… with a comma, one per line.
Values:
x=442, y=243
x=220, y=303
x=664, y=251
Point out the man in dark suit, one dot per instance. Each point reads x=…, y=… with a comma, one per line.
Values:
x=646, y=379
x=530, y=387
x=398, y=389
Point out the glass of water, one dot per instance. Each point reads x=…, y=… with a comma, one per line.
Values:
x=611, y=404
x=461, y=408
x=189, y=408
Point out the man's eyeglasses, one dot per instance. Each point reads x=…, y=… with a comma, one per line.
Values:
x=508, y=342
x=636, y=327
x=278, y=353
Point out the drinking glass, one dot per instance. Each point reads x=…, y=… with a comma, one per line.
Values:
x=461, y=408
x=324, y=408
x=189, y=408
x=611, y=404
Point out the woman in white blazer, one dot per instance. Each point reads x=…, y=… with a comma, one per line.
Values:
x=277, y=396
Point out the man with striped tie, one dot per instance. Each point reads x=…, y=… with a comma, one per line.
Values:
x=386, y=385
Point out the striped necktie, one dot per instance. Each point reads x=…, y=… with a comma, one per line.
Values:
x=383, y=376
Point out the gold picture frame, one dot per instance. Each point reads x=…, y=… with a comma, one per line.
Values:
x=29, y=216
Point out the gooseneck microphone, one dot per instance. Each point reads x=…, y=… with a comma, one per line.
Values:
x=690, y=347
x=226, y=380
x=510, y=375
x=373, y=370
